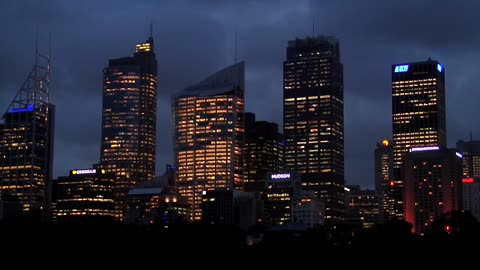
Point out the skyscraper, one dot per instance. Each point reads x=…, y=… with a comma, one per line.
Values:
x=384, y=176
x=26, y=142
x=129, y=119
x=263, y=152
x=313, y=118
x=209, y=135
x=418, y=110
x=433, y=185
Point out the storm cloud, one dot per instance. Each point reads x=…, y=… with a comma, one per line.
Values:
x=196, y=38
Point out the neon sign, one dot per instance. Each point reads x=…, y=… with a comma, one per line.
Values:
x=29, y=108
x=84, y=171
x=468, y=180
x=281, y=176
x=427, y=148
x=439, y=68
x=402, y=68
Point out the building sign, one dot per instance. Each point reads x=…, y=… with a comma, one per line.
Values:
x=402, y=68
x=84, y=171
x=468, y=180
x=29, y=108
x=426, y=148
x=281, y=176
x=439, y=68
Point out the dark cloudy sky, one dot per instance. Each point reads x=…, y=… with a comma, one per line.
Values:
x=195, y=38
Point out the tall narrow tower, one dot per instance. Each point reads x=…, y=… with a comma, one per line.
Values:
x=418, y=112
x=313, y=118
x=26, y=142
x=129, y=120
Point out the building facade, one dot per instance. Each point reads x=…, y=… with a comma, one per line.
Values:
x=365, y=207
x=26, y=143
x=308, y=209
x=129, y=120
x=471, y=176
x=384, y=176
x=433, y=185
x=314, y=118
x=263, y=152
x=280, y=190
x=418, y=112
x=86, y=195
x=151, y=202
x=209, y=136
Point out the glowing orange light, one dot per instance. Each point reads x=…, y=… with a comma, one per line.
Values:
x=385, y=142
x=468, y=180
x=392, y=183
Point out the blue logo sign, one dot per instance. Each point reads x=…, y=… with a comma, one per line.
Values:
x=439, y=68
x=29, y=108
x=402, y=68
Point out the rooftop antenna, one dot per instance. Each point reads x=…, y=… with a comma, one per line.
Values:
x=151, y=29
x=313, y=26
x=470, y=156
x=235, y=46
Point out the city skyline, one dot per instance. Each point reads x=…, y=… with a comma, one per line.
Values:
x=367, y=83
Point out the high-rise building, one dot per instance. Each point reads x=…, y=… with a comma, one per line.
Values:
x=365, y=207
x=209, y=136
x=471, y=176
x=433, y=185
x=308, y=209
x=129, y=119
x=384, y=176
x=418, y=110
x=263, y=152
x=26, y=143
x=85, y=195
x=313, y=118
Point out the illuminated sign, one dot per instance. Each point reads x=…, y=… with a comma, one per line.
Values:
x=427, y=148
x=439, y=68
x=385, y=142
x=85, y=171
x=29, y=108
x=402, y=68
x=468, y=180
x=346, y=189
x=458, y=155
x=281, y=176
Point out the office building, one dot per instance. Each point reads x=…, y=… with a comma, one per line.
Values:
x=365, y=207
x=217, y=207
x=314, y=118
x=86, y=195
x=151, y=202
x=384, y=176
x=129, y=120
x=470, y=151
x=433, y=185
x=280, y=190
x=26, y=143
x=263, y=152
x=308, y=209
x=209, y=136
x=418, y=112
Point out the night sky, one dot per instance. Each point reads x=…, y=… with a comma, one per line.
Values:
x=196, y=38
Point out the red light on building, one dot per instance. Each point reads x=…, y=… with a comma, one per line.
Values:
x=468, y=180
x=392, y=183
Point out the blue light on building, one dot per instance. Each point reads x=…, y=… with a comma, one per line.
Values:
x=29, y=108
x=439, y=68
x=402, y=68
